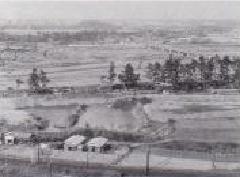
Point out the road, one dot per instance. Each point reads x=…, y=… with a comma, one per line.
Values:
x=13, y=168
x=134, y=161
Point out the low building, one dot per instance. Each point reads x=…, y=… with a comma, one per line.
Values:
x=97, y=144
x=74, y=143
x=9, y=138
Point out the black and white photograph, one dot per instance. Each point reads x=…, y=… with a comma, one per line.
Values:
x=113, y=88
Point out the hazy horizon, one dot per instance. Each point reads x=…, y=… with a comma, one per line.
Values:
x=119, y=10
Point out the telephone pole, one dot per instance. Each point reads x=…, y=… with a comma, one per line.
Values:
x=38, y=151
x=147, y=160
x=171, y=130
x=87, y=160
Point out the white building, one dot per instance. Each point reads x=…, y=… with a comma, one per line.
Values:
x=74, y=143
x=97, y=144
x=9, y=138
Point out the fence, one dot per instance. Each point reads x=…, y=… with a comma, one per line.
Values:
x=219, y=157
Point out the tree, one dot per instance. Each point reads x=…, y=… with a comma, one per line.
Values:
x=225, y=70
x=157, y=72
x=210, y=68
x=34, y=80
x=112, y=74
x=157, y=66
x=237, y=76
x=18, y=82
x=149, y=72
x=171, y=71
x=38, y=81
x=128, y=77
x=154, y=72
x=43, y=78
x=129, y=71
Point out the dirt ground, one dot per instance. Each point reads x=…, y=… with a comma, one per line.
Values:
x=198, y=117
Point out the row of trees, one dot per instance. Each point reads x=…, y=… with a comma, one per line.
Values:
x=216, y=72
x=128, y=78
x=203, y=73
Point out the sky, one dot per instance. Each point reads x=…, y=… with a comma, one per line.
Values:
x=123, y=10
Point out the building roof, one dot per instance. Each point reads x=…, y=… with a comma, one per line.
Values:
x=97, y=142
x=75, y=140
x=9, y=134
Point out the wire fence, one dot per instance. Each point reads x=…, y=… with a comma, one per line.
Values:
x=218, y=157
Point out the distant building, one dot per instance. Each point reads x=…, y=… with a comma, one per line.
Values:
x=9, y=138
x=97, y=144
x=74, y=143
x=38, y=82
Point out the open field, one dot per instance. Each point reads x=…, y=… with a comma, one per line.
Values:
x=72, y=66
x=204, y=118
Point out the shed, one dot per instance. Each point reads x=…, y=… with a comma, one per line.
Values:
x=97, y=144
x=74, y=142
x=9, y=138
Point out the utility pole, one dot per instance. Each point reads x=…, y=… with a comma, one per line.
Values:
x=49, y=160
x=87, y=159
x=147, y=169
x=5, y=170
x=15, y=55
x=213, y=158
x=50, y=168
x=171, y=130
x=38, y=158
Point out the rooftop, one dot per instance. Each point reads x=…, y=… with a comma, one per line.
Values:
x=75, y=140
x=97, y=142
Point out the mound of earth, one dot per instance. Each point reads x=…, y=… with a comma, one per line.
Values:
x=109, y=118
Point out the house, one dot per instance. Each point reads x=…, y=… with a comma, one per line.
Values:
x=97, y=144
x=74, y=143
x=9, y=138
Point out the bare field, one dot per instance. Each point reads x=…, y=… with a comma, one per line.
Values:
x=206, y=118
x=72, y=66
